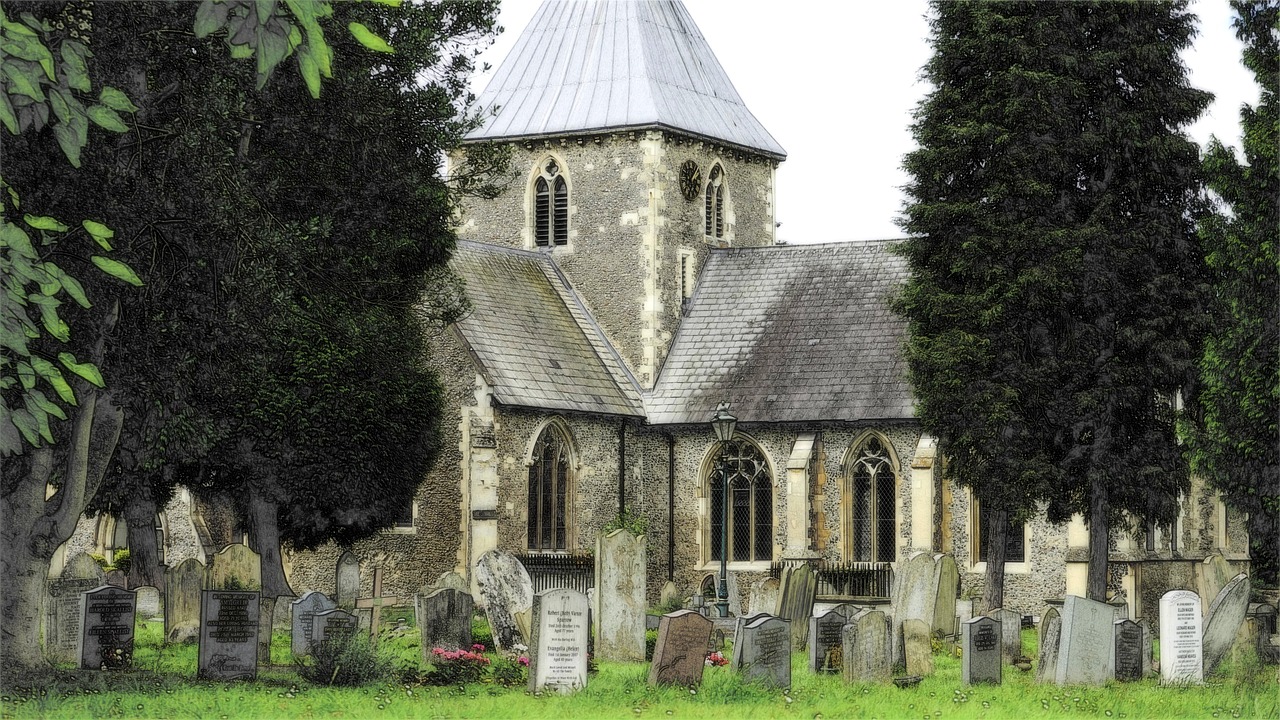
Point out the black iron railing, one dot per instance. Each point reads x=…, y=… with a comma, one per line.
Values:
x=551, y=571
x=847, y=580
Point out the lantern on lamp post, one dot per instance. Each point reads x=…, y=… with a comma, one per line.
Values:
x=723, y=423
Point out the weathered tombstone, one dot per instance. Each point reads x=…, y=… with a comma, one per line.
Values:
x=149, y=606
x=1148, y=650
x=916, y=647
x=444, y=620
x=1222, y=624
x=913, y=596
x=1128, y=650
x=234, y=567
x=741, y=622
x=346, y=580
x=865, y=646
x=62, y=606
x=964, y=613
x=980, y=651
x=182, y=585
x=1181, y=651
x=680, y=654
x=451, y=580
x=797, y=591
x=1214, y=574
x=826, y=639
x=1087, y=646
x=766, y=652
x=1050, y=637
x=106, y=629
x=506, y=590
x=303, y=610
x=944, y=611
x=333, y=625
x=619, y=603
x=228, y=635
x=670, y=595
x=764, y=596
x=1010, y=632
x=558, y=646
x=117, y=578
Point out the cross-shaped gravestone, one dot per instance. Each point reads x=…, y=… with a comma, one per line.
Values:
x=377, y=602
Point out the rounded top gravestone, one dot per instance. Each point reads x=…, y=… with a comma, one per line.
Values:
x=1226, y=613
x=507, y=592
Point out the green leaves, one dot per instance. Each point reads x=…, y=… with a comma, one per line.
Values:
x=99, y=232
x=117, y=269
x=106, y=118
x=116, y=100
x=367, y=38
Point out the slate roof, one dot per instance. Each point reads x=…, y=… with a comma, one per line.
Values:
x=790, y=334
x=587, y=66
x=533, y=339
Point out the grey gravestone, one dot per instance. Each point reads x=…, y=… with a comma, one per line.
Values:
x=980, y=651
x=234, y=567
x=303, y=610
x=1128, y=650
x=1215, y=573
x=558, y=648
x=1181, y=651
x=741, y=622
x=106, y=636
x=866, y=648
x=149, y=606
x=764, y=596
x=444, y=620
x=964, y=613
x=507, y=591
x=1050, y=637
x=798, y=590
x=331, y=625
x=766, y=652
x=228, y=635
x=826, y=639
x=944, y=611
x=914, y=596
x=451, y=580
x=680, y=654
x=1010, y=631
x=346, y=580
x=916, y=647
x=1148, y=650
x=117, y=578
x=670, y=595
x=1222, y=624
x=182, y=586
x=62, y=606
x=1086, y=649
x=619, y=604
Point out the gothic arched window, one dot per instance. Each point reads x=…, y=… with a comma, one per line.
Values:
x=750, y=503
x=549, y=493
x=873, y=492
x=550, y=206
x=715, y=203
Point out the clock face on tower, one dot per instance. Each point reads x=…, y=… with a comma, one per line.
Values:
x=690, y=179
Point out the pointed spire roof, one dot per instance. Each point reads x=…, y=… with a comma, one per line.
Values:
x=585, y=66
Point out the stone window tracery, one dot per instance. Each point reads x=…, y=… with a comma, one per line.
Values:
x=549, y=495
x=750, y=504
x=873, y=486
x=550, y=206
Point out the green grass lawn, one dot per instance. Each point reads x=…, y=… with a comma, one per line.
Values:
x=163, y=685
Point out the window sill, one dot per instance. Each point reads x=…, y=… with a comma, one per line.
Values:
x=754, y=566
x=400, y=531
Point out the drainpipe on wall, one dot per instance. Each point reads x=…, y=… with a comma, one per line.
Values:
x=671, y=507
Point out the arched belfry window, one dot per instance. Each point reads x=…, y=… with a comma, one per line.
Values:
x=550, y=476
x=550, y=206
x=873, y=493
x=750, y=510
x=715, y=203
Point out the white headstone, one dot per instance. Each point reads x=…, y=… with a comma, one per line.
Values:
x=228, y=635
x=1181, y=652
x=558, y=648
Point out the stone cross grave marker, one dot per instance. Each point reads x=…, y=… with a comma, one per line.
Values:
x=149, y=605
x=106, y=629
x=376, y=602
x=558, y=648
x=914, y=595
x=1128, y=650
x=681, y=652
x=916, y=647
x=346, y=580
x=182, y=586
x=1047, y=647
x=1010, y=632
x=740, y=622
x=619, y=604
x=1221, y=625
x=228, y=634
x=980, y=651
x=944, y=610
x=826, y=639
x=766, y=652
x=507, y=591
x=866, y=648
x=798, y=590
x=764, y=596
x=62, y=606
x=444, y=620
x=1181, y=651
x=302, y=611
x=234, y=567
x=1087, y=646
x=333, y=624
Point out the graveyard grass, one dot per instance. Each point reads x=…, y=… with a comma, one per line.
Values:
x=162, y=685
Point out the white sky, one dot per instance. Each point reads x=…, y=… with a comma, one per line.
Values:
x=835, y=83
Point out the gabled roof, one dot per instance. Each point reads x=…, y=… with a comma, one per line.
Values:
x=535, y=343
x=587, y=66
x=790, y=334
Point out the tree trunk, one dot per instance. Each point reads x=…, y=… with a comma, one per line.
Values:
x=144, y=553
x=264, y=538
x=1099, y=540
x=996, y=538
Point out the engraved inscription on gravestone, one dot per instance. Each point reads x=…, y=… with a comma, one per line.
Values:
x=332, y=625
x=228, y=634
x=826, y=650
x=106, y=640
x=766, y=652
x=558, y=646
x=1181, y=652
x=678, y=656
x=1128, y=639
x=62, y=606
x=1087, y=644
x=304, y=609
x=980, y=651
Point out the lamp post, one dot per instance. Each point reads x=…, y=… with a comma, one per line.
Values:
x=723, y=424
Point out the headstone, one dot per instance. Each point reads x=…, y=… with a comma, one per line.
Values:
x=619, y=605
x=1050, y=638
x=234, y=567
x=741, y=622
x=228, y=635
x=1222, y=624
x=346, y=580
x=680, y=654
x=764, y=596
x=182, y=586
x=1215, y=573
x=916, y=647
x=117, y=578
x=670, y=595
x=826, y=640
x=1010, y=632
x=451, y=580
x=149, y=605
x=980, y=651
x=302, y=611
x=444, y=620
x=1086, y=648
x=506, y=590
x=558, y=646
x=1181, y=651
x=375, y=603
x=62, y=606
x=964, y=613
x=797, y=591
x=333, y=625
x=944, y=611
x=106, y=636
x=766, y=652
x=1148, y=650
x=1128, y=650
x=866, y=650
x=914, y=595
